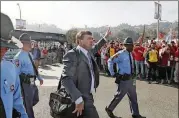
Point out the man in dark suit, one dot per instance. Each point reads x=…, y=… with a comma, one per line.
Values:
x=81, y=79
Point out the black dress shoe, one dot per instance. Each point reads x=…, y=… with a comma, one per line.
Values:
x=138, y=116
x=110, y=113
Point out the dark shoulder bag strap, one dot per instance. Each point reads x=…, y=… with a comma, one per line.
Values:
x=35, y=69
x=77, y=55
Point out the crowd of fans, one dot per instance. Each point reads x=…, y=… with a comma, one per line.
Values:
x=48, y=55
x=154, y=61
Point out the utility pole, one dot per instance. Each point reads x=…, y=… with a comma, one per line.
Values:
x=20, y=15
x=158, y=22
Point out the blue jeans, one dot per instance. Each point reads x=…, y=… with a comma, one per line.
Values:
x=140, y=64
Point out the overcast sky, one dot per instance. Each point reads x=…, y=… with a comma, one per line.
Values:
x=67, y=14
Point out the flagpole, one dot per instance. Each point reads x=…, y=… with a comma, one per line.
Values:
x=158, y=23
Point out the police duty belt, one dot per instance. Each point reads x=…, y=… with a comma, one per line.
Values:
x=27, y=78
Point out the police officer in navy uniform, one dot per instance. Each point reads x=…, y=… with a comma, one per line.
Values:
x=28, y=74
x=125, y=79
x=10, y=91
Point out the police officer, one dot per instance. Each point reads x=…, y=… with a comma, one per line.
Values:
x=10, y=84
x=28, y=74
x=124, y=79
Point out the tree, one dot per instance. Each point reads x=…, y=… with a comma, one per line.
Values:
x=130, y=33
x=71, y=35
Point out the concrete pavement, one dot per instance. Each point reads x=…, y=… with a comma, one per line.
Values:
x=155, y=101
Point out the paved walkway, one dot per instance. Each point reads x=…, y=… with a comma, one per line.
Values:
x=155, y=101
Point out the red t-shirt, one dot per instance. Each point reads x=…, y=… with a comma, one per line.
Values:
x=164, y=59
x=44, y=51
x=177, y=54
x=174, y=48
x=138, y=53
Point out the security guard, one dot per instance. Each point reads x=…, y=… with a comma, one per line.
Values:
x=28, y=74
x=124, y=78
x=11, y=100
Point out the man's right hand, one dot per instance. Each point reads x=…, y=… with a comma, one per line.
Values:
x=79, y=109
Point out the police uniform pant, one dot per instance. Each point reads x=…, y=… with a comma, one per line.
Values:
x=31, y=98
x=126, y=87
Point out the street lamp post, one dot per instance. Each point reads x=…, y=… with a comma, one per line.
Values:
x=20, y=14
x=158, y=21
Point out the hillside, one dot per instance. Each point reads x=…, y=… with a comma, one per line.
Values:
x=121, y=31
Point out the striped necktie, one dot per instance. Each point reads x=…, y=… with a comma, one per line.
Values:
x=90, y=63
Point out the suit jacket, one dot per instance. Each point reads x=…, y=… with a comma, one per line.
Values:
x=76, y=77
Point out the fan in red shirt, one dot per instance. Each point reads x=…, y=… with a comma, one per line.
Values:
x=173, y=46
x=138, y=52
x=44, y=51
x=44, y=56
x=176, y=73
x=177, y=53
x=164, y=66
x=139, y=59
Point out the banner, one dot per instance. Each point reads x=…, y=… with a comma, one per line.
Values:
x=142, y=39
x=20, y=24
x=158, y=11
x=169, y=36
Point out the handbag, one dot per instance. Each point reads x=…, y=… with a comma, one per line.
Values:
x=61, y=105
x=60, y=102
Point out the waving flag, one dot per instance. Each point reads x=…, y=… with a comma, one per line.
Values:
x=169, y=36
x=141, y=38
x=161, y=35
